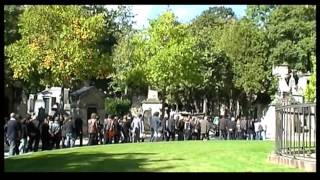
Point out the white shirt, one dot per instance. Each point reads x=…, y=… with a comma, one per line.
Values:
x=256, y=126
x=135, y=124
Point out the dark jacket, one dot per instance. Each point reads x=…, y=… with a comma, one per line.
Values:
x=181, y=125
x=250, y=126
x=243, y=125
x=223, y=124
x=24, y=130
x=45, y=131
x=78, y=125
x=13, y=130
x=34, y=127
x=171, y=124
x=232, y=125
x=69, y=127
x=63, y=130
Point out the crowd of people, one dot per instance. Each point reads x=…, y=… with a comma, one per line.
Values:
x=61, y=131
x=24, y=135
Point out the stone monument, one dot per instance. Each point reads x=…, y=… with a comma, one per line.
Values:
x=152, y=103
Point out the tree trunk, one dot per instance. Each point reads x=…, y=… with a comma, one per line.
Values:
x=126, y=90
x=238, y=108
x=196, y=105
x=205, y=105
x=163, y=102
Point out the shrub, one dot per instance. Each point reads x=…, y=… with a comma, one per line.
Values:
x=118, y=107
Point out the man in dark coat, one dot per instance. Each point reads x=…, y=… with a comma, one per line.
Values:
x=243, y=127
x=13, y=135
x=171, y=127
x=204, y=128
x=231, y=128
x=126, y=129
x=250, y=130
x=223, y=127
x=78, y=129
x=34, y=128
x=45, y=136
x=180, y=127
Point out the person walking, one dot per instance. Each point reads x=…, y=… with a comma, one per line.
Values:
x=204, y=124
x=78, y=129
x=93, y=129
x=13, y=135
x=23, y=147
x=187, y=129
x=63, y=133
x=45, y=136
x=250, y=130
x=180, y=129
x=135, y=125
x=171, y=127
x=117, y=130
x=243, y=127
x=34, y=127
x=55, y=133
x=126, y=129
x=142, y=130
x=223, y=127
x=109, y=129
x=70, y=133
x=154, y=125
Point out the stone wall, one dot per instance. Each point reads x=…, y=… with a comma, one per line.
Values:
x=308, y=165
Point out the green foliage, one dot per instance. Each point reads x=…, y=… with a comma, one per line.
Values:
x=59, y=46
x=11, y=18
x=292, y=33
x=243, y=43
x=310, y=92
x=117, y=107
x=129, y=62
x=171, y=57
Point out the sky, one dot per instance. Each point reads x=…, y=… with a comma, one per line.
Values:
x=185, y=13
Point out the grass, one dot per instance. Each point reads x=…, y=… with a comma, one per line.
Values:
x=183, y=156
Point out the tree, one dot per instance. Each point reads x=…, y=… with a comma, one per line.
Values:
x=118, y=23
x=129, y=64
x=170, y=56
x=11, y=33
x=58, y=46
x=245, y=44
x=292, y=33
x=215, y=65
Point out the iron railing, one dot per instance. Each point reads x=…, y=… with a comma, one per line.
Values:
x=296, y=131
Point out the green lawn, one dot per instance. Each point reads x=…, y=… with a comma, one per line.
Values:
x=183, y=156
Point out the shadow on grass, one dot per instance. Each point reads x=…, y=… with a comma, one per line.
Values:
x=88, y=162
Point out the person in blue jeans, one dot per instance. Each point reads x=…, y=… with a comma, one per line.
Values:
x=70, y=133
x=24, y=136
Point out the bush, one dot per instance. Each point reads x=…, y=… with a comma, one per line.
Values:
x=118, y=107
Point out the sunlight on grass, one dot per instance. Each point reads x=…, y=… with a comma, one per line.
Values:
x=187, y=156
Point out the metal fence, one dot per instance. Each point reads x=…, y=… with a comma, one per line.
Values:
x=296, y=131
